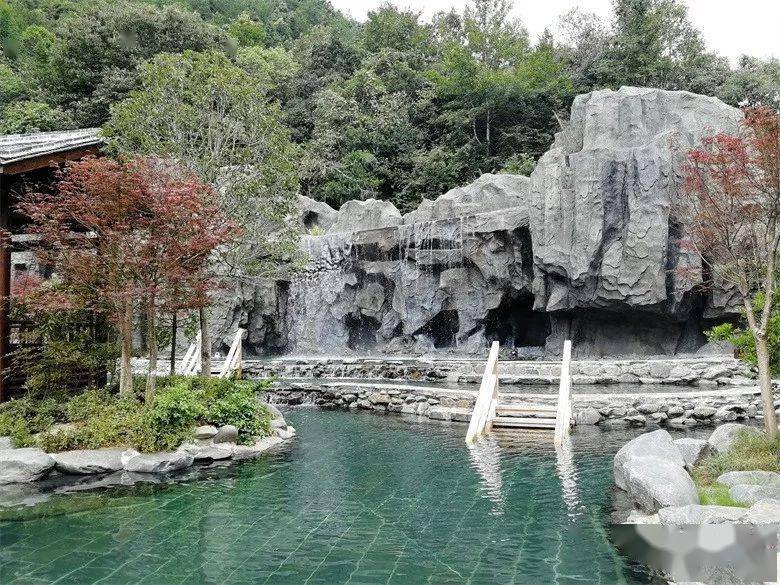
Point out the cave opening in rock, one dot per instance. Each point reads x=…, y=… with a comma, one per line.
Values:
x=514, y=323
x=361, y=332
x=442, y=329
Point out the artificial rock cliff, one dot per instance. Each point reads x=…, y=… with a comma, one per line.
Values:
x=586, y=248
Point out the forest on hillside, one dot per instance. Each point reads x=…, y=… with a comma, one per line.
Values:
x=396, y=107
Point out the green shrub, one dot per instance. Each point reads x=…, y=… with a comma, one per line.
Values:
x=17, y=429
x=744, y=342
x=239, y=407
x=748, y=453
x=37, y=414
x=716, y=494
x=85, y=405
x=99, y=419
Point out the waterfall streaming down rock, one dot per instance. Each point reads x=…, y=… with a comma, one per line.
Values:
x=413, y=287
x=584, y=249
x=313, y=326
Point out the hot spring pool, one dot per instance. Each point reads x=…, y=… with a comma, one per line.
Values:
x=355, y=498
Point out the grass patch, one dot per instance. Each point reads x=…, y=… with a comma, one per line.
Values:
x=97, y=418
x=750, y=452
x=716, y=494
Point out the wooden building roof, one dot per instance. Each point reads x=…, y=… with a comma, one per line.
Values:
x=24, y=152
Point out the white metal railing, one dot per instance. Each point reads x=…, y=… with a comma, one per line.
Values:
x=485, y=405
x=563, y=413
x=233, y=359
x=190, y=365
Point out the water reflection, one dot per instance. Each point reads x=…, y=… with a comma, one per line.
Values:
x=567, y=472
x=485, y=457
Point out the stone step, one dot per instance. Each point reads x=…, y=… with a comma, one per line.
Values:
x=538, y=410
x=523, y=422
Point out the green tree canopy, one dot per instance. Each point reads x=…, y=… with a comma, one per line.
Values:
x=100, y=48
x=214, y=117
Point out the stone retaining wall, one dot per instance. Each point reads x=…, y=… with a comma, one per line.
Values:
x=672, y=409
x=698, y=371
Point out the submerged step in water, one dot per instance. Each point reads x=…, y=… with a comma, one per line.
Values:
x=357, y=498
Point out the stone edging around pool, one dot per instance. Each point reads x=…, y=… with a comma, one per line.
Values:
x=651, y=473
x=30, y=464
x=673, y=409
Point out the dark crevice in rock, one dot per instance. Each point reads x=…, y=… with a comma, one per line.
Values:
x=361, y=331
x=514, y=323
x=442, y=329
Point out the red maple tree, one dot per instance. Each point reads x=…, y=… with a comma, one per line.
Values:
x=732, y=210
x=125, y=237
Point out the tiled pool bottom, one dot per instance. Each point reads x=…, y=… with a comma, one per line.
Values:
x=356, y=498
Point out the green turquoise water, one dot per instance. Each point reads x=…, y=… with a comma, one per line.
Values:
x=355, y=498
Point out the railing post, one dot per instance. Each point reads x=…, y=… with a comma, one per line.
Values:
x=233, y=358
x=482, y=416
x=563, y=414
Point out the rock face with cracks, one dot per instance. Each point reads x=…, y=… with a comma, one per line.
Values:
x=587, y=248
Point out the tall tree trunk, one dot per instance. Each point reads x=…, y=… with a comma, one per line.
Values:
x=205, y=343
x=174, y=325
x=151, y=343
x=126, y=348
x=765, y=383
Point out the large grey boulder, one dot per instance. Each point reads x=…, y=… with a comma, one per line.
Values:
x=767, y=478
x=698, y=514
x=315, y=214
x=371, y=214
x=137, y=462
x=6, y=443
x=488, y=193
x=24, y=465
x=750, y=494
x=764, y=512
x=654, y=483
x=692, y=450
x=657, y=444
x=723, y=437
x=601, y=201
x=88, y=461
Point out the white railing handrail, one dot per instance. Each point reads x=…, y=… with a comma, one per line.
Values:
x=191, y=358
x=485, y=404
x=563, y=412
x=191, y=363
x=233, y=359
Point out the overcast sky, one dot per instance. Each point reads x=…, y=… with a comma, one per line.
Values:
x=730, y=27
